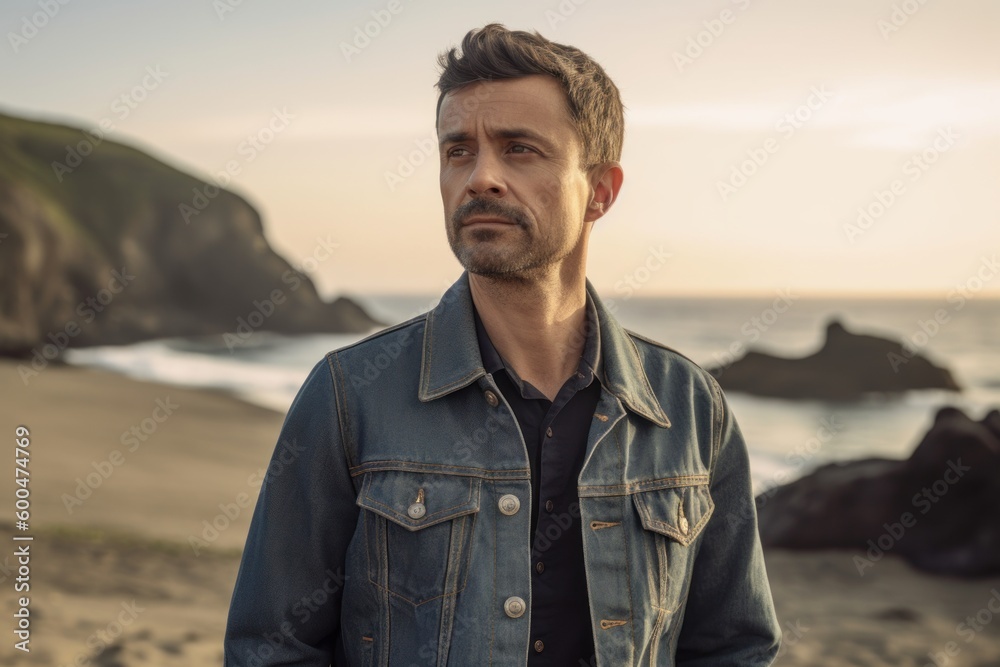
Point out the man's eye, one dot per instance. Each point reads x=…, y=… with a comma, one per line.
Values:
x=520, y=148
x=458, y=152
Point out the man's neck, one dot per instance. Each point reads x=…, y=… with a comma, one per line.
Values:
x=538, y=327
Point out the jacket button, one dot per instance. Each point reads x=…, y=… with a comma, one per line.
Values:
x=509, y=504
x=539, y=646
x=539, y=567
x=416, y=510
x=549, y=505
x=491, y=398
x=514, y=607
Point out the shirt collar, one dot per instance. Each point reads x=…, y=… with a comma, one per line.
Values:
x=450, y=357
x=588, y=369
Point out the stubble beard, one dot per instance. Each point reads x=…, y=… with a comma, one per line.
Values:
x=486, y=252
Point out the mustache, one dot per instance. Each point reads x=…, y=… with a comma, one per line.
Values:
x=491, y=207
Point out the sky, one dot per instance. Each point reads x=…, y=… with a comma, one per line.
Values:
x=829, y=148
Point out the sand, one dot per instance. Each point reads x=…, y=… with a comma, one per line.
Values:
x=115, y=580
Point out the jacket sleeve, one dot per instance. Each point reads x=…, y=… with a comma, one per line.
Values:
x=729, y=617
x=285, y=608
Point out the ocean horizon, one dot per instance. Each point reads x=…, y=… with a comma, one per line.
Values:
x=786, y=438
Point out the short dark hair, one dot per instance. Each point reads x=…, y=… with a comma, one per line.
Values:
x=493, y=52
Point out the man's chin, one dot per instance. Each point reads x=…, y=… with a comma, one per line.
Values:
x=489, y=267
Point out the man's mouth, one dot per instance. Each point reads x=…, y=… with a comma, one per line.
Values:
x=488, y=220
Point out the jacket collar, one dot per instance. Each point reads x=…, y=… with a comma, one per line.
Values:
x=451, y=358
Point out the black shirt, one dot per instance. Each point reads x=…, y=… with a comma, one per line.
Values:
x=555, y=433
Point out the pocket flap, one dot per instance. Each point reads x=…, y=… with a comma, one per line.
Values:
x=679, y=512
x=392, y=494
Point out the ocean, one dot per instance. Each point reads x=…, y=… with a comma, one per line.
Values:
x=786, y=438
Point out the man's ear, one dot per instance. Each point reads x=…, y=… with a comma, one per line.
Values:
x=605, y=182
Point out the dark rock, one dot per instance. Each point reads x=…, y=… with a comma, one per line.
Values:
x=903, y=614
x=116, y=247
x=848, y=366
x=940, y=509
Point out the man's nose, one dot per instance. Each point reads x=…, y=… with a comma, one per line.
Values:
x=487, y=176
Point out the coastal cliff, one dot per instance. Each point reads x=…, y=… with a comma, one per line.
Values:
x=102, y=244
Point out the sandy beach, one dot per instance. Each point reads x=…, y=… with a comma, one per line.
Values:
x=125, y=473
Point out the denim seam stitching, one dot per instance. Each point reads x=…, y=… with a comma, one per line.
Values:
x=640, y=487
x=415, y=604
x=718, y=414
x=437, y=392
x=625, y=510
x=666, y=529
x=645, y=381
x=373, y=466
x=423, y=524
x=493, y=616
x=343, y=418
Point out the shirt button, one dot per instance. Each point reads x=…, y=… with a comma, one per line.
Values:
x=539, y=567
x=539, y=646
x=509, y=504
x=549, y=505
x=548, y=432
x=491, y=398
x=514, y=607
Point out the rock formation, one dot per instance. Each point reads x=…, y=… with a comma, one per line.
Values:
x=102, y=244
x=940, y=509
x=848, y=366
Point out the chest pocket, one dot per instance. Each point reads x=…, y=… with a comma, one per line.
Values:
x=673, y=518
x=418, y=531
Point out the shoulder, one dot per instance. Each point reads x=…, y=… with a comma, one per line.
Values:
x=391, y=340
x=383, y=356
x=654, y=353
x=676, y=379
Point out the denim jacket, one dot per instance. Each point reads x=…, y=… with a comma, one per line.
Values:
x=393, y=524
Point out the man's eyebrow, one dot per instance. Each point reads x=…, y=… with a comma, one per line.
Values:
x=509, y=133
x=455, y=137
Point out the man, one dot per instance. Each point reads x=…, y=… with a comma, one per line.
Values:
x=511, y=477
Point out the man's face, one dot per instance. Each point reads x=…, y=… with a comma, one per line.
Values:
x=513, y=191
